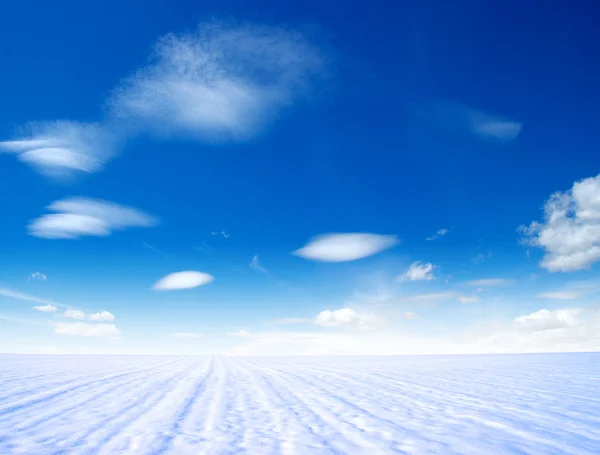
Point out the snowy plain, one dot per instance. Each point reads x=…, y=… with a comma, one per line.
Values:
x=479, y=405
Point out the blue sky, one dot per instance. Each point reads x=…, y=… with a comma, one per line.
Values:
x=366, y=181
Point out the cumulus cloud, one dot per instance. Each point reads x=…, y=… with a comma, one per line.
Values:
x=222, y=82
x=74, y=314
x=489, y=282
x=20, y=296
x=256, y=265
x=182, y=280
x=570, y=231
x=84, y=329
x=418, y=271
x=77, y=217
x=548, y=320
x=102, y=316
x=183, y=335
x=239, y=334
x=348, y=318
x=61, y=148
x=459, y=118
x=345, y=247
x=438, y=234
x=46, y=308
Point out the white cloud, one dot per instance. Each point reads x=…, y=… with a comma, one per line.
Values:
x=345, y=247
x=560, y=295
x=21, y=296
x=239, y=334
x=183, y=335
x=220, y=83
x=468, y=299
x=488, y=282
x=348, y=318
x=61, y=148
x=570, y=232
x=256, y=265
x=74, y=314
x=182, y=280
x=438, y=234
x=409, y=315
x=38, y=276
x=459, y=118
x=78, y=217
x=46, y=308
x=103, y=316
x=548, y=320
x=84, y=329
x=418, y=271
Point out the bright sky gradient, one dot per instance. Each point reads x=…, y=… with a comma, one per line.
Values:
x=291, y=178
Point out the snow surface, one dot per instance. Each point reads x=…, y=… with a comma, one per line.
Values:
x=480, y=405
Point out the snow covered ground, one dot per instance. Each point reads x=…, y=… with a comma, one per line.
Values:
x=480, y=405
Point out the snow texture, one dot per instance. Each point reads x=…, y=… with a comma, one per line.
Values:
x=467, y=405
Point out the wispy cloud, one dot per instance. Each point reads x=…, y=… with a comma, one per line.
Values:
x=38, y=276
x=62, y=148
x=438, y=234
x=256, y=265
x=570, y=232
x=468, y=299
x=46, y=308
x=239, y=334
x=77, y=217
x=345, y=247
x=183, y=335
x=29, y=298
x=489, y=282
x=349, y=319
x=223, y=82
x=84, y=329
x=182, y=280
x=418, y=271
x=156, y=250
x=459, y=118
x=560, y=295
x=74, y=314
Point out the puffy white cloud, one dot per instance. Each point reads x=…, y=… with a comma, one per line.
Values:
x=46, y=308
x=20, y=296
x=102, y=316
x=345, y=247
x=223, y=82
x=182, y=280
x=61, y=148
x=489, y=282
x=348, y=318
x=183, y=335
x=560, y=295
x=256, y=265
x=74, y=314
x=418, y=271
x=570, y=232
x=84, y=329
x=438, y=234
x=548, y=320
x=239, y=334
x=78, y=217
